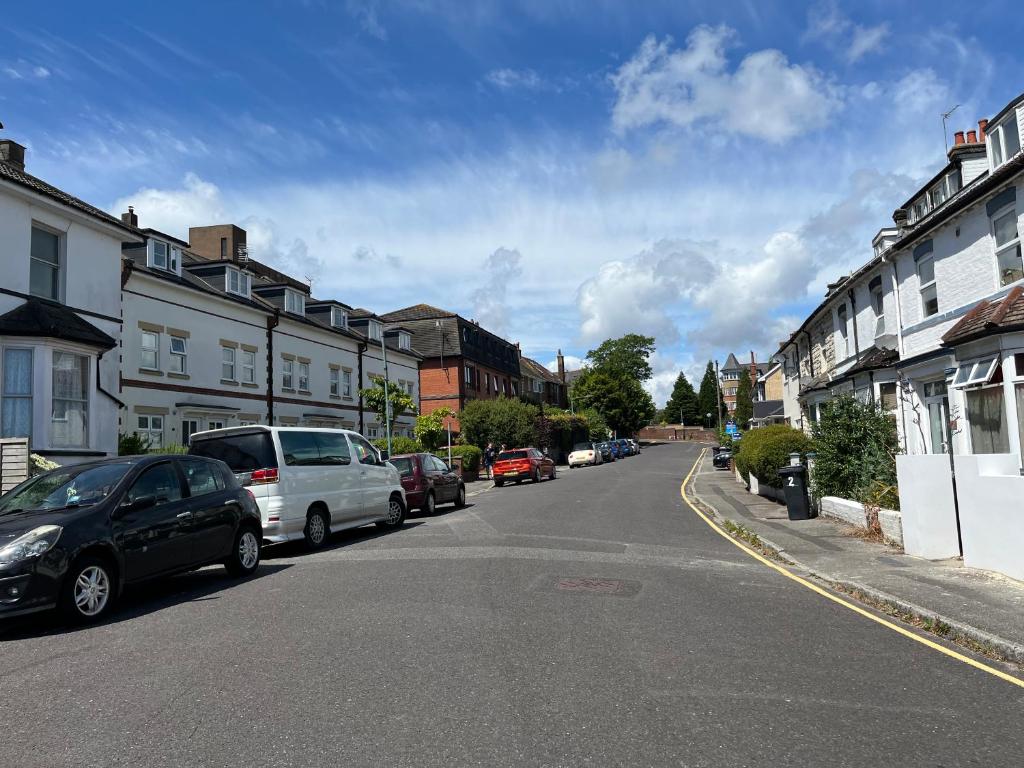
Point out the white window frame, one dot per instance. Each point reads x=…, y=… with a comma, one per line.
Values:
x=1009, y=245
x=843, y=325
x=159, y=252
x=346, y=383
x=83, y=401
x=5, y=395
x=288, y=374
x=404, y=340
x=997, y=140
x=146, y=427
x=248, y=364
x=304, y=377
x=930, y=285
x=215, y=423
x=228, y=364
x=187, y=429
x=177, y=361
x=237, y=282
x=878, y=307
x=149, y=349
x=294, y=302
x=339, y=317
x=374, y=331
x=976, y=372
x=469, y=375
x=58, y=267
x=334, y=379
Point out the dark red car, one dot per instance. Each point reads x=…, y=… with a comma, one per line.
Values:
x=428, y=481
x=521, y=464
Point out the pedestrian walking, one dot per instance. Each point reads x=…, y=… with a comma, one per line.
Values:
x=489, y=454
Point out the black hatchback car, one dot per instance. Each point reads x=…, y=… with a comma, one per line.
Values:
x=73, y=538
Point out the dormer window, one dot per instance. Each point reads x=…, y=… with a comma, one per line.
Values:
x=374, y=330
x=404, y=340
x=1004, y=140
x=294, y=303
x=163, y=256
x=339, y=317
x=237, y=282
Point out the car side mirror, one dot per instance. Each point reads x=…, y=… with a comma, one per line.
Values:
x=138, y=504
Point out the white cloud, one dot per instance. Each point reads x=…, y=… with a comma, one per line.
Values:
x=572, y=363
x=489, y=301
x=365, y=12
x=507, y=79
x=41, y=72
x=194, y=203
x=765, y=97
x=826, y=22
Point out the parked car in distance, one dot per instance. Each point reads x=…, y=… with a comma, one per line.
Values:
x=722, y=458
x=624, y=447
x=521, y=464
x=606, y=452
x=616, y=449
x=585, y=453
x=428, y=481
x=309, y=483
x=72, y=538
x=635, y=445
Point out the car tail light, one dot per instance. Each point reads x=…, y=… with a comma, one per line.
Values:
x=269, y=475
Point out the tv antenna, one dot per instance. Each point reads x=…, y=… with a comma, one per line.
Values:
x=945, y=119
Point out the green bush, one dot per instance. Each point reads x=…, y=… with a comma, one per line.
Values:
x=500, y=421
x=399, y=444
x=471, y=456
x=765, y=450
x=131, y=444
x=170, y=448
x=856, y=447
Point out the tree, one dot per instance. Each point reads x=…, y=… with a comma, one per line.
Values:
x=507, y=421
x=744, y=400
x=622, y=401
x=627, y=356
x=707, y=396
x=596, y=424
x=401, y=401
x=431, y=428
x=682, y=404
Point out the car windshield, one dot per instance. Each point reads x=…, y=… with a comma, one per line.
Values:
x=64, y=488
x=403, y=465
x=509, y=455
x=584, y=447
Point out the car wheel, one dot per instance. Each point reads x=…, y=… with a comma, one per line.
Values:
x=245, y=557
x=396, y=514
x=554, y=473
x=429, y=504
x=536, y=476
x=460, y=497
x=89, y=590
x=317, y=529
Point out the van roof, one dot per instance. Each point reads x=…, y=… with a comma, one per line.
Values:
x=253, y=429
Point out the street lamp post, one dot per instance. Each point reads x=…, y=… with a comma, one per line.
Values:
x=387, y=398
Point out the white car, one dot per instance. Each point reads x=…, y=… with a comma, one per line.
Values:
x=585, y=453
x=308, y=483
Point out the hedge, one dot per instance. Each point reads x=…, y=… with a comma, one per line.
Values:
x=471, y=456
x=765, y=450
x=399, y=444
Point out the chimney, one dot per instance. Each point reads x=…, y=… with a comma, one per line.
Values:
x=130, y=218
x=972, y=137
x=982, y=127
x=561, y=366
x=753, y=368
x=958, y=138
x=12, y=153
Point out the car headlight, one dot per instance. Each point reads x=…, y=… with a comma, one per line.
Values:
x=32, y=544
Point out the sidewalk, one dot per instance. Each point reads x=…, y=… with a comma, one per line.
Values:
x=983, y=606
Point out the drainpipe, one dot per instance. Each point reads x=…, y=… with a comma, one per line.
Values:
x=361, y=349
x=272, y=322
x=853, y=313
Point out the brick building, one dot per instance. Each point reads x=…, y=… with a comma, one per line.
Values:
x=461, y=360
x=539, y=385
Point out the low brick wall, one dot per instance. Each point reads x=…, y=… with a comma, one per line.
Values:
x=766, y=491
x=852, y=512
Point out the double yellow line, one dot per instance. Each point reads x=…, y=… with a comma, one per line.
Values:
x=836, y=599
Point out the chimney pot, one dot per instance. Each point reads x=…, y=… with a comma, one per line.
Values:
x=12, y=153
x=958, y=138
x=972, y=137
x=982, y=127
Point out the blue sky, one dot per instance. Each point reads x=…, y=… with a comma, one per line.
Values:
x=562, y=170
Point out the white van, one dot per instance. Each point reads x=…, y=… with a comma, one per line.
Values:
x=308, y=483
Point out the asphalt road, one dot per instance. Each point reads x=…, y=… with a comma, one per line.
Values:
x=593, y=620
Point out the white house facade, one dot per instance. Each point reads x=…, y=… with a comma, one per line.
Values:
x=60, y=318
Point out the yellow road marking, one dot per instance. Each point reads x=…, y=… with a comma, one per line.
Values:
x=834, y=598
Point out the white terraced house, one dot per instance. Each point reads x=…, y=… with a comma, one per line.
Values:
x=933, y=324
x=60, y=316
x=214, y=338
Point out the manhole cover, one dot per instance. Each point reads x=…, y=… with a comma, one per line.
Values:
x=598, y=586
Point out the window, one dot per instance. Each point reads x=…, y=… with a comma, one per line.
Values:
x=227, y=363
x=976, y=372
x=149, y=354
x=248, y=366
x=188, y=428
x=223, y=247
x=404, y=340
x=214, y=424
x=238, y=282
x=151, y=428
x=926, y=278
x=487, y=381
x=294, y=302
x=365, y=452
x=44, y=272
x=373, y=331
x=335, y=381
x=333, y=448
x=987, y=419
x=346, y=384
x=887, y=396
x=178, y=362
x=339, y=317
x=1007, y=237
x=304, y=377
x=161, y=482
x=1004, y=140
x=372, y=433
x=201, y=477
x=878, y=305
x=16, y=400
x=495, y=380
x=844, y=330
x=469, y=375
x=70, y=415
x=288, y=375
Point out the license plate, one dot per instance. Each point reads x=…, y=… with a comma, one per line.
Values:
x=511, y=473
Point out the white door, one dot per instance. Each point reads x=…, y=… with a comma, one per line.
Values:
x=341, y=476
x=373, y=476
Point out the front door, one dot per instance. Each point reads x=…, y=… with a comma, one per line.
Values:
x=156, y=538
x=373, y=478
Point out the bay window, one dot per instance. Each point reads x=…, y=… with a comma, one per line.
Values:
x=16, y=393
x=70, y=413
x=1007, y=238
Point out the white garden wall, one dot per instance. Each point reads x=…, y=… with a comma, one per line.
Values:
x=990, y=489
x=926, y=505
x=852, y=513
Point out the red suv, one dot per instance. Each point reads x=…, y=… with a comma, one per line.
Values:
x=428, y=481
x=522, y=464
